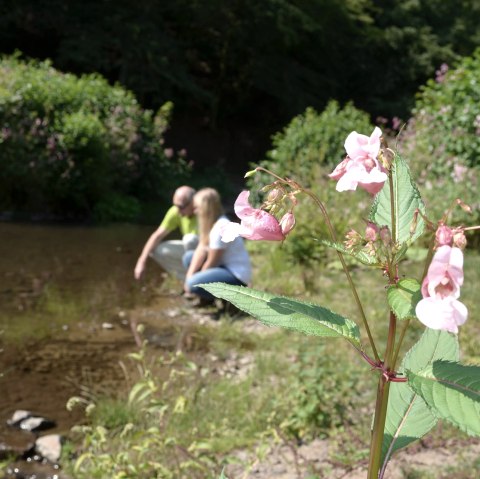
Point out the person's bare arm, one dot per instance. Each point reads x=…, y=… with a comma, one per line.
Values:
x=214, y=258
x=196, y=264
x=198, y=259
x=154, y=239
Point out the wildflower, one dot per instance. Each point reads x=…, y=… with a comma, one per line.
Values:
x=361, y=166
x=256, y=224
x=439, y=308
x=444, y=235
x=371, y=231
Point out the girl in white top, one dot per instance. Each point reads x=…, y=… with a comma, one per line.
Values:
x=213, y=260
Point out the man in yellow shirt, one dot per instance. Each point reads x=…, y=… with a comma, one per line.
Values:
x=168, y=254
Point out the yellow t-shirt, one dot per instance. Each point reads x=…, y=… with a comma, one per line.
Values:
x=174, y=220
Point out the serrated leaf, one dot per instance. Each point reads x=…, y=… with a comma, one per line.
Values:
x=403, y=298
x=407, y=200
x=452, y=391
x=288, y=313
x=362, y=256
x=408, y=416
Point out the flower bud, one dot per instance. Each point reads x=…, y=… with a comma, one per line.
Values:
x=459, y=239
x=444, y=236
x=352, y=238
x=464, y=206
x=371, y=231
x=275, y=195
x=385, y=235
x=250, y=173
x=287, y=223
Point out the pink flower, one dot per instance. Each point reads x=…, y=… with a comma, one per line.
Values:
x=444, y=236
x=361, y=167
x=256, y=224
x=439, y=308
x=446, y=314
x=371, y=231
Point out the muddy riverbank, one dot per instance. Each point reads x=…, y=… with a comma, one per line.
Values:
x=64, y=291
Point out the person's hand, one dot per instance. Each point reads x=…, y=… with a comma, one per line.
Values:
x=139, y=268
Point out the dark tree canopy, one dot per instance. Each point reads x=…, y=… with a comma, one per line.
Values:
x=250, y=60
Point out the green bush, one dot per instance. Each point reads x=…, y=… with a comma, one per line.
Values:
x=314, y=139
x=442, y=140
x=306, y=150
x=68, y=145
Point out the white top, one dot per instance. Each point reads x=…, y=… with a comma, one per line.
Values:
x=235, y=257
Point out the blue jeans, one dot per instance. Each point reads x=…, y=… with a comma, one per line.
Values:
x=212, y=275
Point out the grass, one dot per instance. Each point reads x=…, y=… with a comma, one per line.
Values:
x=196, y=416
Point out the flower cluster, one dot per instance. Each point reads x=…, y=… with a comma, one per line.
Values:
x=440, y=308
x=361, y=167
x=256, y=224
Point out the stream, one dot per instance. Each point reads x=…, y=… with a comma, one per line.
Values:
x=66, y=300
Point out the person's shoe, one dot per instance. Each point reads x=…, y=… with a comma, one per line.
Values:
x=202, y=302
x=188, y=296
x=230, y=310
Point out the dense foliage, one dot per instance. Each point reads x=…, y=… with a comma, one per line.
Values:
x=78, y=147
x=307, y=150
x=232, y=58
x=443, y=138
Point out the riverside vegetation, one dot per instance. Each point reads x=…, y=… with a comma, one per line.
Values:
x=147, y=431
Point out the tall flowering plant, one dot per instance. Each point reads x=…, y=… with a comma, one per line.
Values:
x=429, y=383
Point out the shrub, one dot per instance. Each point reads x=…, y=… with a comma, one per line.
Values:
x=310, y=140
x=442, y=139
x=307, y=149
x=68, y=145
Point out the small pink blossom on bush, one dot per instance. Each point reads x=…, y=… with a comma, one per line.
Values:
x=361, y=166
x=439, y=308
x=168, y=152
x=256, y=224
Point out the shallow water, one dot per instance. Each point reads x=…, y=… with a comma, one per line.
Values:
x=76, y=261
x=65, y=293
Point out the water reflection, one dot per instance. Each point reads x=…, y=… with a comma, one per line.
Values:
x=48, y=273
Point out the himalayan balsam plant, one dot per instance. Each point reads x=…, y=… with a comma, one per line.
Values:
x=430, y=383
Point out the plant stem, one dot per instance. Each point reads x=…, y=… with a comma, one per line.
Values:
x=346, y=271
x=333, y=236
x=381, y=405
x=399, y=343
x=388, y=365
x=392, y=207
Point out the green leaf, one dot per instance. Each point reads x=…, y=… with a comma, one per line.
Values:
x=452, y=391
x=403, y=298
x=407, y=200
x=287, y=313
x=408, y=416
x=362, y=256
